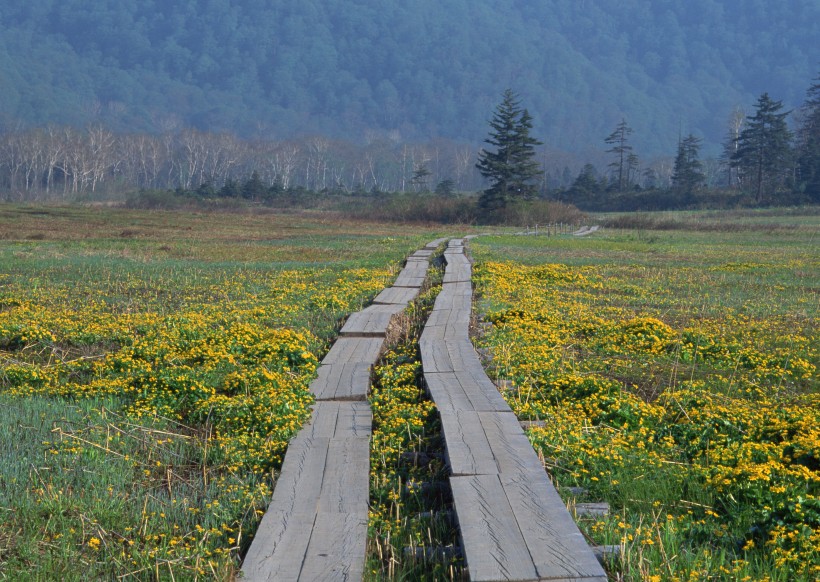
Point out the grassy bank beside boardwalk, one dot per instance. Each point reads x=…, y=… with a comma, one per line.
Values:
x=153, y=366
x=675, y=362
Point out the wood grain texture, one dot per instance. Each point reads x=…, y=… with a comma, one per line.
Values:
x=342, y=381
x=339, y=420
x=354, y=349
x=450, y=393
x=372, y=321
x=337, y=548
x=397, y=295
x=557, y=546
x=409, y=280
x=492, y=542
x=281, y=541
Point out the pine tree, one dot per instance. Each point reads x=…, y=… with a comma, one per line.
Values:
x=511, y=168
x=808, y=146
x=687, y=176
x=618, y=139
x=763, y=156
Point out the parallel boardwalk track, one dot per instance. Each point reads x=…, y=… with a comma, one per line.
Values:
x=512, y=522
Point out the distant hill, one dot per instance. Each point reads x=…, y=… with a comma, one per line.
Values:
x=416, y=68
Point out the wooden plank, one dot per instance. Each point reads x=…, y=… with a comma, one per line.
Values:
x=422, y=254
x=338, y=420
x=468, y=451
x=439, y=317
x=416, y=268
x=280, y=543
x=492, y=542
x=372, y=321
x=512, y=450
x=458, y=274
x=337, y=548
x=346, y=477
x=450, y=393
x=435, y=243
x=343, y=381
x=557, y=546
x=354, y=349
x=445, y=355
x=408, y=280
x=397, y=295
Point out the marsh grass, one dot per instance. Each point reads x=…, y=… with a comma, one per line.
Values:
x=152, y=367
x=411, y=535
x=677, y=373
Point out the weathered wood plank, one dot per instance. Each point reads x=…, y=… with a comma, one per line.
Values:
x=347, y=474
x=458, y=274
x=491, y=539
x=397, y=295
x=450, y=393
x=332, y=419
x=445, y=317
x=337, y=548
x=416, y=268
x=467, y=449
x=408, y=280
x=283, y=536
x=372, y=321
x=592, y=509
x=558, y=548
x=435, y=243
x=342, y=381
x=445, y=355
x=354, y=349
x=511, y=448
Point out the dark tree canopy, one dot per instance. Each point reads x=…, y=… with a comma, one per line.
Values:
x=808, y=146
x=687, y=176
x=764, y=154
x=511, y=167
x=622, y=150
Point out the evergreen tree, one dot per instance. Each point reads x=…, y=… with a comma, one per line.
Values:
x=687, y=175
x=420, y=175
x=618, y=139
x=808, y=160
x=511, y=168
x=763, y=156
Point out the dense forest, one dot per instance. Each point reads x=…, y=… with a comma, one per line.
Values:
x=416, y=70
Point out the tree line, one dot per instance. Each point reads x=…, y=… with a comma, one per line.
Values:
x=764, y=162
x=66, y=163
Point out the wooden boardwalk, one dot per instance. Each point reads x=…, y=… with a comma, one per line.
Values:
x=315, y=527
x=513, y=524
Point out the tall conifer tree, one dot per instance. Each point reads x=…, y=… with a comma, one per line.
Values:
x=808, y=160
x=511, y=168
x=764, y=154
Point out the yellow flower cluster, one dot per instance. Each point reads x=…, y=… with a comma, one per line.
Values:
x=652, y=401
x=214, y=361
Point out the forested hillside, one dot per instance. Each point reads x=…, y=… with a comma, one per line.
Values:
x=422, y=68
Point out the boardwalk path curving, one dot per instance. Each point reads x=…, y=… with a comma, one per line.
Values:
x=513, y=524
x=315, y=527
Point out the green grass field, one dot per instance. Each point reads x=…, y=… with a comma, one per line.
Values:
x=153, y=366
